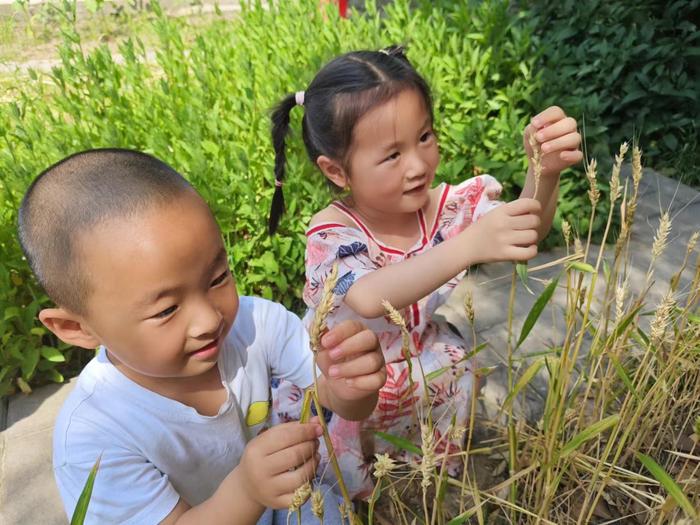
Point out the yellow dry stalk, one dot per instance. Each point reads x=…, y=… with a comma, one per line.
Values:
x=396, y=318
x=662, y=318
x=300, y=496
x=429, y=459
x=636, y=177
x=615, y=190
x=317, y=504
x=620, y=296
x=399, y=321
x=469, y=306
x=536, y=162
x=661, y=237
x=324, y=307
x=566, y=230
x=383, y=465
x=591, y=173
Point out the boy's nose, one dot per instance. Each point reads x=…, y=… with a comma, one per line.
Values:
x=206, y=321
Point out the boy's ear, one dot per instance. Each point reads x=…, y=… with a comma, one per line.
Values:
x=333, y=171
x=68, y=327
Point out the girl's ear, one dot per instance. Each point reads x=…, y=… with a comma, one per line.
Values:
x=333, y=171
x=68, y=327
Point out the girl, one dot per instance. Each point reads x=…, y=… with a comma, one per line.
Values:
x=368, y=126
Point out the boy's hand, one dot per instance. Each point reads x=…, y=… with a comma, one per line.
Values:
x=558, y=139
x=351, y=361
x=278, y=461
x=506, y=233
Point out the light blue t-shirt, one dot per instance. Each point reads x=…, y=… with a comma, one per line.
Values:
x=155, y=449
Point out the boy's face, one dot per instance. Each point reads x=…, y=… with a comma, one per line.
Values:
x=162, y=297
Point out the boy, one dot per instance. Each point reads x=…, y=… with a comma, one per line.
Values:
x=177, y=396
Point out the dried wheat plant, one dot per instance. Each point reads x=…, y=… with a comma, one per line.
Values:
x=618, y=440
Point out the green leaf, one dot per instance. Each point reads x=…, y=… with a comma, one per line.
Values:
x=400, y=442
x=589, y=433
x=536, y=310
x=527, y=376
x=80, y=511
x=31, y=358
x=669, y=484
x=622, y=374
x=626, y=320
x=521, y=269
x=51, y=354
x=581, y=267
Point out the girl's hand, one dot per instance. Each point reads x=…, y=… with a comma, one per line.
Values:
x=506, y=233
x=351, y=361
x=558, y=139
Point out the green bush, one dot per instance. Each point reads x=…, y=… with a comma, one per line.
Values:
x=630, y=70
x=202, y=105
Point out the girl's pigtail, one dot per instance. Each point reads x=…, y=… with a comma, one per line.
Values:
x=280, y=128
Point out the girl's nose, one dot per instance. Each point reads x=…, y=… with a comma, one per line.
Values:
x=417, y=166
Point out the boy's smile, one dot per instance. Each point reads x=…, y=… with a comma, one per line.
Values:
x=162, y=297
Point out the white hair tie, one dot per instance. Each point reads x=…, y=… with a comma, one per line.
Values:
x=299, y=98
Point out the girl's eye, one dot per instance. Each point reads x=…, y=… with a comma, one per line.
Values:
x=393, y=156
x=425, y=136
x=165, y=313
x=220, y=279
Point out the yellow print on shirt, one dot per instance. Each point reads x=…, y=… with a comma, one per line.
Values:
x=257, y=413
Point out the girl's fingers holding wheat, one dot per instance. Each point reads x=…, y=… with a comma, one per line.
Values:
x=524, y=237
x=568, y=142
x=522, y=206
x=556, y=129
x=546, y=117
x=529, y=221
x=521, y=253
x=357, y=365
x=341, y=332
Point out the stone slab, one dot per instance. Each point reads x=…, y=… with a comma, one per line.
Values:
x=28, y=493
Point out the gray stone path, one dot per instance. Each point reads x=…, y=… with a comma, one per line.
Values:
x=28, y=494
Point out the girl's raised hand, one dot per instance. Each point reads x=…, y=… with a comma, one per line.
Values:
x=558, y=139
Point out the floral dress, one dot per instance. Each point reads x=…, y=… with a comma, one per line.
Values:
x=437, y=354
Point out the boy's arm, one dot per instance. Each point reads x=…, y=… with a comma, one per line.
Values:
x=352, y=364
x=274, y=464
x=228, y=505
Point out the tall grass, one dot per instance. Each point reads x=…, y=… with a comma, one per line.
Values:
x=616, y=439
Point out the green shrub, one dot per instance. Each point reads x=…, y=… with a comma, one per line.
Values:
x=630, y=69
x=202, y=105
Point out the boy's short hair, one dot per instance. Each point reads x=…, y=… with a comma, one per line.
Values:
x=76, y=194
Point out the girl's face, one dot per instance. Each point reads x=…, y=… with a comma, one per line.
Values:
x=394, y=155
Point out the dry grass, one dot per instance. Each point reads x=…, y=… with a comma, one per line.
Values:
x=617, y=441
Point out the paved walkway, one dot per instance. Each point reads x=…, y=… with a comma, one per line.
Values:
x=28, y=494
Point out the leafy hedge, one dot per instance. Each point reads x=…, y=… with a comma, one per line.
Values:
x=202, y=106
x=630, y=69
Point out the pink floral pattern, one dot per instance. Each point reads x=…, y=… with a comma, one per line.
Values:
x=434, y=346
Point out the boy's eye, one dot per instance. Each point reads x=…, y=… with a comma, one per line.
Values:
x=220, y=279
x=425, y=136
x=393, y=156
x=165, y=313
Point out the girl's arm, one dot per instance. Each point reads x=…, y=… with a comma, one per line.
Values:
x=505, y=233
